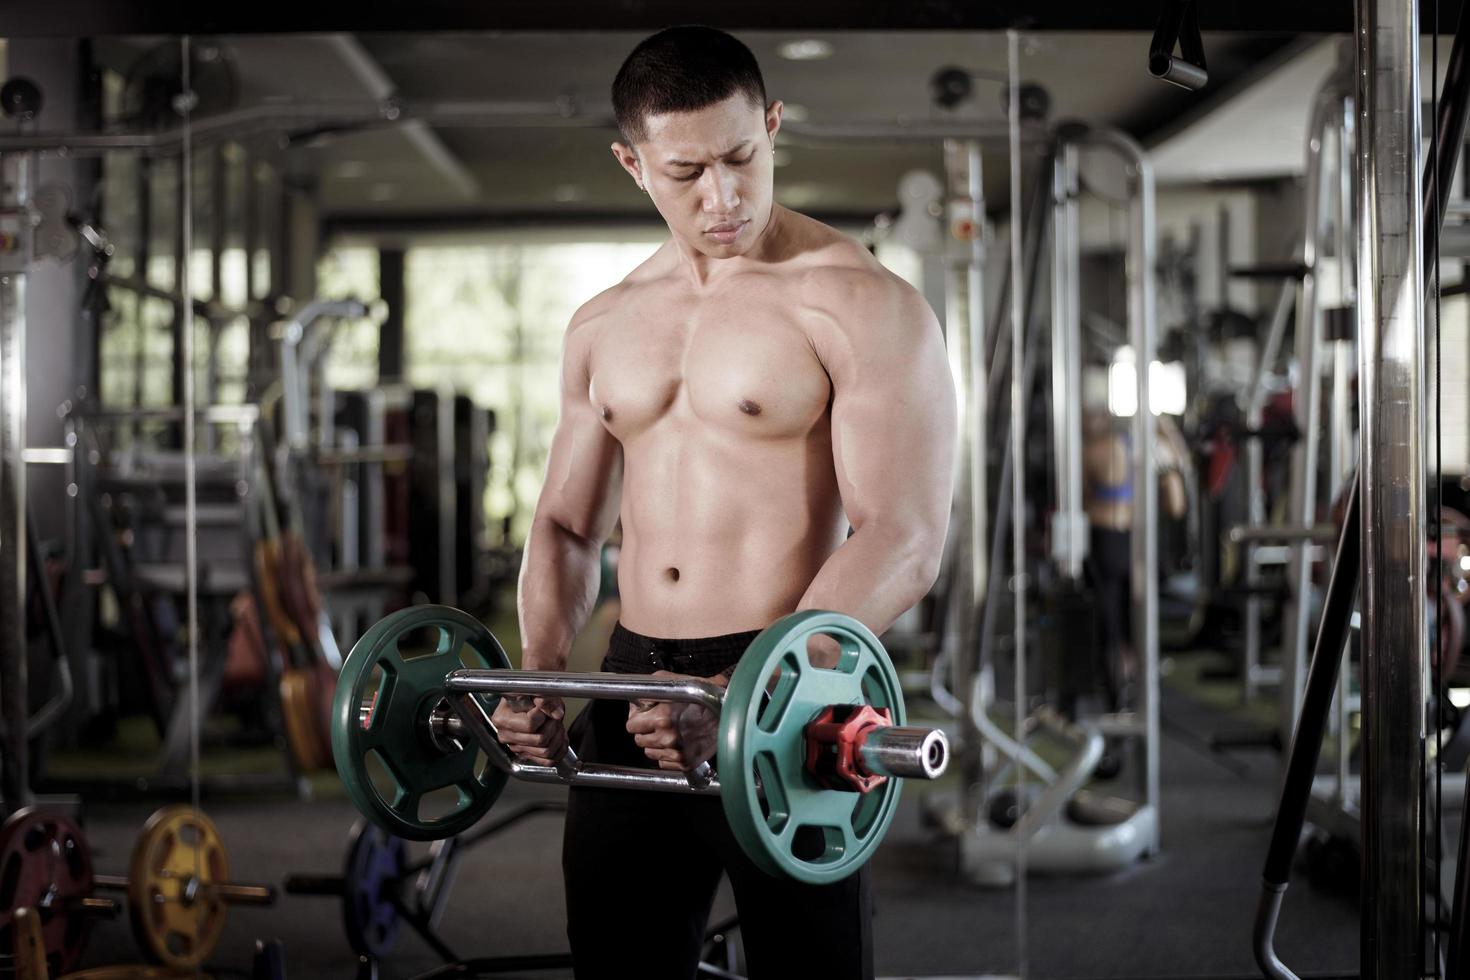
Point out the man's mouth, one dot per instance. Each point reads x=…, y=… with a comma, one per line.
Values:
x=726, y=232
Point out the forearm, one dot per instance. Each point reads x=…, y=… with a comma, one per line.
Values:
x=877, y=574
x=557, y=590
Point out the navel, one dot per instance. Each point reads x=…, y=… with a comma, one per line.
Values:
x=749, y=407
x=672, y=573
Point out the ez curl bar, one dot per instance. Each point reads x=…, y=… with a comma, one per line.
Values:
x=801, y=747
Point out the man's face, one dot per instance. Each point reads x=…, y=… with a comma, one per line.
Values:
x=709, y=172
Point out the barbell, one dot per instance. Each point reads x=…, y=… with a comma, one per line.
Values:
x=177, y=886
x=801, y=747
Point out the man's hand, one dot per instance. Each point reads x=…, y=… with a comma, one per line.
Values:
x=676, y=735
x=532, y=728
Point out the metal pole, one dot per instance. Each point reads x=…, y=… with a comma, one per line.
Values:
x=1069, y=528
x=962, y=306
x=975, y=317
x=1251, y=673
x=1018, y=465
x=1391, y=400
x=15, y=190
x=1142, y=337
x=1306, y=408
x=1340, y=434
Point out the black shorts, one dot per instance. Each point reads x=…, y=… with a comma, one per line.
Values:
x=641, y=868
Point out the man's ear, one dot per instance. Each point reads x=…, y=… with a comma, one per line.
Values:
x=773, y=119
x=627, y=158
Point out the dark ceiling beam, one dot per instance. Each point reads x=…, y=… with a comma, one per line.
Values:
x=78, y=18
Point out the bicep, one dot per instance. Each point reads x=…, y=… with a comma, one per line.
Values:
x=894, y=420
x=584, y=464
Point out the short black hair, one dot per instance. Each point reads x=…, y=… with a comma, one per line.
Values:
x=682, y=69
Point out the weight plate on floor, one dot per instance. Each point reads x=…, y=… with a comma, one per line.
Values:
x=176, y=916
x=370, y=880
x=787, y=822
x=46, y=865
x=384, y=755
x=299, y=711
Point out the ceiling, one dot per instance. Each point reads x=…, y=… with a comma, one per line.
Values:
x=543, y=154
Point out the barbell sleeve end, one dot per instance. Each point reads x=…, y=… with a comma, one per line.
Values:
x=906, y=752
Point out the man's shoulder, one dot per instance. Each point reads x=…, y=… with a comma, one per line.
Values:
x=855, y=288
x=837, y=268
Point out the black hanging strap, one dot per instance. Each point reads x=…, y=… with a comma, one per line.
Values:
x=1178, y=24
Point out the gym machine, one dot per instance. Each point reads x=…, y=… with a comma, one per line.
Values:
x=1061, y=830
x=1384, y=526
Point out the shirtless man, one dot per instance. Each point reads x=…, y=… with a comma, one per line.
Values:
x=756, y=386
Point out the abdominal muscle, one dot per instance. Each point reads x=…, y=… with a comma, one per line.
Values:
x=722, y=534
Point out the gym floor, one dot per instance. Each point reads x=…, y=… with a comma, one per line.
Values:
x=1187, y=913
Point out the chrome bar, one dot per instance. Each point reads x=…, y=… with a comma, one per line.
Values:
x=1341, y=459
x=604, y=686
x=571, y=771
x=1073, y=776
x=1280, y=533
x=16, y=174
x=1250, y=674
x=299, y=349
x=1069, y=523
x=1327, y=111
x=1143, y=334
x=46, y=457
x=910, y=753
x=241, y=415
x=1391, y=400
x=965, y=337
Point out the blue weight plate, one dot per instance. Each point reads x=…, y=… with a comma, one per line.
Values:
x=370, y=882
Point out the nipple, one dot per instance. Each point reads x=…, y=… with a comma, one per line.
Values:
x=749, y=407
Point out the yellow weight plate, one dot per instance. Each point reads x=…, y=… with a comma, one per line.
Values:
x=177, y=918
x=301, y=711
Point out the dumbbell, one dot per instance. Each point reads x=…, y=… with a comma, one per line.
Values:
x=177, y=886
x=801, y=747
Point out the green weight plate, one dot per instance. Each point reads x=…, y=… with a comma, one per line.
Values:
x=392, y=769
x=786, y=821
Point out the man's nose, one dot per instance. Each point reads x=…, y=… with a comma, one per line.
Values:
x=721, y=195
